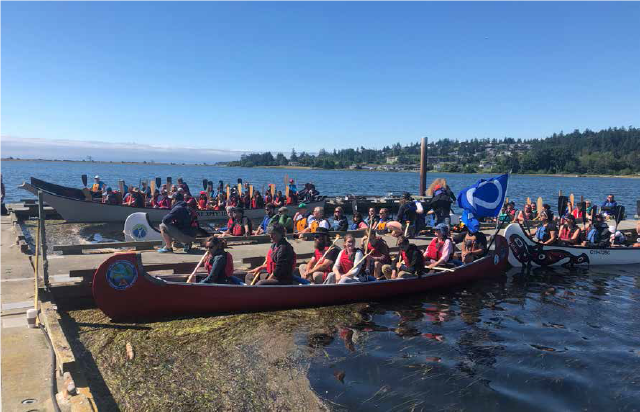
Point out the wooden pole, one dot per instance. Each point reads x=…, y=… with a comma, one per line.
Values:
x=35, y=266
x=43, y=240
x=423, y=167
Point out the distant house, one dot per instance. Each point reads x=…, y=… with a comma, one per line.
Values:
x=392, y=160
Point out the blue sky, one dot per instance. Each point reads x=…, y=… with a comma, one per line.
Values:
x=272, y=76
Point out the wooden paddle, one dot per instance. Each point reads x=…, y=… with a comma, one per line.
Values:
x=84, y=180
x=355, y=265
x=228, y=192
x=572, y=199
x=443, y=269
x=239, y=189
x=529, y=201
x=250, y=191
x=193, y=274
x=158, y=183
x=406, y=229
x=273, y=190
x=169, y=183
x=121, y=187
x=152, y=186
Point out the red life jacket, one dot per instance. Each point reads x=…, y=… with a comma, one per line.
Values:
x=318, y=255
x=565, y=233
x=194, y=217
x=377, y=249
x=202, y=203
x=271, y=265
x=434, y=250
x=237, y=229
x=228, y=268
x=346, y=264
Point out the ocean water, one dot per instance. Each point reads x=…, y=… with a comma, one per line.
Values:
x=328, y=182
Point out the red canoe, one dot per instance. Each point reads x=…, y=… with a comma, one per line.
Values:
x=123, y=290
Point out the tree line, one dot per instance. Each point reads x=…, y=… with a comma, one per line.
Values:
x=614, y=151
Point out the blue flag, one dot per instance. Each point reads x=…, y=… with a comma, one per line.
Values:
x=470, y=221
x=485, y=198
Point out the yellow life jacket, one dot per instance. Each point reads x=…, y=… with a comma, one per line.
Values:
x=301, y=224
x=314, y=225
x=95, y=187
x=381, y=226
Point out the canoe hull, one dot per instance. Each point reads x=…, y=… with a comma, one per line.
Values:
x=79, y=211
x=123, y=290
x=525, y=252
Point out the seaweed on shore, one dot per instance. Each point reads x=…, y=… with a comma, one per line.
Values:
x=235, y=362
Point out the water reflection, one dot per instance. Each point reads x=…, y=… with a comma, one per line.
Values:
x=532, y=340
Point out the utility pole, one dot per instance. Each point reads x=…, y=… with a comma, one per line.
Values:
x=423, y=166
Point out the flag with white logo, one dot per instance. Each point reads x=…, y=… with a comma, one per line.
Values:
x=485, y=198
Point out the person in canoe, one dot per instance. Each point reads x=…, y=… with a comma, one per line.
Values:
x=284, y=219
x=283, y=258
x=110, y=198
x=98, y=185
x=547, y=233
x=316, y=220
x=372, y=217
x=379, y=255
x=358, y=223
x=181, y=224
x=257, y=202
x=183, y=185
x=525, y=215
x=340, y=222
x=597, y=233
x=570, y=234
x=218, y=264
x=292, y=199
x=278, y=199
x=269, y=212
x=349, y=265
x=441, y=248
x=300, y=218
x=325, y=254
x=383, y=220
x=637, y=244
x=238, y=224
x=474, y=246
x=408, y=264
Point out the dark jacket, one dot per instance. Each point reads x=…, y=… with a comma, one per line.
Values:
x=218, y=264
x=180, y=217
x=415, y=260
x=282, y=255
x=340, y=225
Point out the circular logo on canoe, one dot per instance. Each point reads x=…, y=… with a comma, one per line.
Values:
x=122, y=274
x=139, y=231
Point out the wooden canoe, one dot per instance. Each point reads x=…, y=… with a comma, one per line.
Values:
x=123, y=290
x=524, y=251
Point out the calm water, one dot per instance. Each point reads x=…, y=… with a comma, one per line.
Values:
x=548, y=340
x=328, y=182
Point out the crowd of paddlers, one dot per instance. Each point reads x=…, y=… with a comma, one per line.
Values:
x=222, y=197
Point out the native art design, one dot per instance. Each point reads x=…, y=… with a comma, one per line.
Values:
x=541, y=256
x=139, y=231
x=121, y=275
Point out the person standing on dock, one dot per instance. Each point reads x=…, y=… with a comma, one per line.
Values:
x=282, y=258
x=4, y=208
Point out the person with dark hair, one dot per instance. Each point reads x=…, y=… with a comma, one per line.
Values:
x=282, y=258
x=349, y=264
x=324, y=256
x=358, y=223
x=181, y=223
x=183, y=185
x=547, y=233
x=379, y=256
x=441, y=248
x=269, y=212
x=570, y=234
x=218, y=263
x=239, y=224
x=474, y=246
x=409, y=263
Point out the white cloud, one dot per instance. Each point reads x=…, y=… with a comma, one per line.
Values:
x=34, y=148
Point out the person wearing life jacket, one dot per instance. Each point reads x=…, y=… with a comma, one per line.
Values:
x=383, y=220
x=525, y=215
x=358, y=223
x=179, y=224
x=349, y=264
x=268, y=197
x=300, y=218
x=474, y=246
x=637, y=244
x=324, y=256
x=202, y=200
x=292, y=199
x=372, y=217
x=136, y=198
x=379, y=256
x=218, y=263
x=316, y=220
x=340, y=222
x=269, y=213
x=441, y=199
x=257, y=202
x=284, y=219
x=282, y=258
x=266, y=269
x=110, y=198
x=98, y=185
x=616, y=237
x=165, y=201
x=184, y=186
x=408, y=264
x=569, y=233
x=441, y=249
x=597, y=233
x=547, y=233
x=239, y=225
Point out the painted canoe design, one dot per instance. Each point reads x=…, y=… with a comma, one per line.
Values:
x=123, y=290
x=524, y=251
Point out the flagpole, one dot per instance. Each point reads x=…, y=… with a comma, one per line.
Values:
x=500, y=223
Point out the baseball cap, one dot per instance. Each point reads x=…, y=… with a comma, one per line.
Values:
x=97, y=177
x=302, y=206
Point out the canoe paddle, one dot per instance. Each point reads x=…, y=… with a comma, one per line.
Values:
x=169, y=183
x=205, y=182
x=153, y=188
x=84, y=180
x=562, y=205
x=619, y=214
x=158, y=183
x=538, y=207
x=190, y=279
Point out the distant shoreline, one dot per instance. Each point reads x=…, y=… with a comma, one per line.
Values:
x=308, y=168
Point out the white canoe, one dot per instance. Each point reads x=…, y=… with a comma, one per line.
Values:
x=523, y=251
x=79, y=211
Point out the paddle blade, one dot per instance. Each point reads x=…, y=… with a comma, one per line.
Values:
x=158, y=182
x=562, y=205
x=619, y=214
x=239, y=181
x=539, y=205
x=168, y=181
x=84, y=180
x=153, y=187
x=205, y=182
